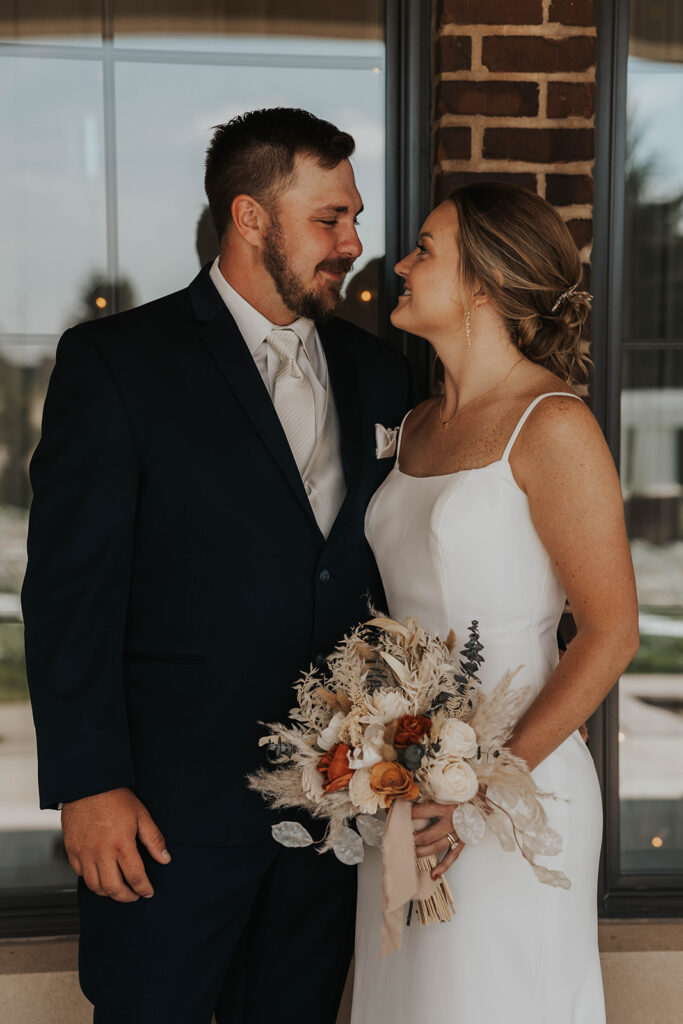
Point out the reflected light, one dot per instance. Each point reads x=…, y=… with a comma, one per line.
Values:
x=376, y=70
x=365, y=296
x=622, y=737
x=101, y=302
x=657, y=841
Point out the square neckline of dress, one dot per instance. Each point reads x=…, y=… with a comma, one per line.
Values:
x=505, y=457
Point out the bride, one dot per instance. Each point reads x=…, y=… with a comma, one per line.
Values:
x=503, y=499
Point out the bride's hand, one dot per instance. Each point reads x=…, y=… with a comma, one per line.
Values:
x=432, y=825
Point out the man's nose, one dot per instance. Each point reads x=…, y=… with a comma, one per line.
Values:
x=350, y=244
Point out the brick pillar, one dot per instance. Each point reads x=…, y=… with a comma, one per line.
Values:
x=514, y=100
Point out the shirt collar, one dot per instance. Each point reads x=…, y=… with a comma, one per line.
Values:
x=254, y=326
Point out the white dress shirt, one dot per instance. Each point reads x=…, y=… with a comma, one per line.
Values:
x=254, y=328
x=323, y=477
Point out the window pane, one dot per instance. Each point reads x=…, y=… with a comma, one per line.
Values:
x=245, y=25
x=31, y=850
x=165, y=113
x=653, y=244
x=72, y=24
x=52, y=192
x=651, y=692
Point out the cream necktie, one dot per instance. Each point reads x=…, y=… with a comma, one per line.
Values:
x=293, y=396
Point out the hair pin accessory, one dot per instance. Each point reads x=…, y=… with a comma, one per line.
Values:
x=566, y=295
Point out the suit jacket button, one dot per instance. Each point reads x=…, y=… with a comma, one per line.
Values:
x=324, y=576
x=319, y=660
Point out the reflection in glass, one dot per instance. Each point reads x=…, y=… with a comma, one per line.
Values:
x=238, y=25
x=52, y=191
x=67, y=23
x=651, y=692
x=653, y=242
x=31, y=851
x=165, y=114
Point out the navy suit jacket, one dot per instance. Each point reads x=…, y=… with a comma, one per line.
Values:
x=177, y=580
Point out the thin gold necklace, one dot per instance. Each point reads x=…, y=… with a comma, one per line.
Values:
x=445, y=423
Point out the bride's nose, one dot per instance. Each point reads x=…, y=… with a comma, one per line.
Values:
x=401, y=268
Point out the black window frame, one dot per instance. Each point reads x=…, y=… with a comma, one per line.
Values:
x=50, y=911
x=621, y=894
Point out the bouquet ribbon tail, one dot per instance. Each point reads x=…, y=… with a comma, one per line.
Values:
x=401, y=879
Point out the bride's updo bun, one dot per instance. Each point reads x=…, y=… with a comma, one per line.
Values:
x=519, y=250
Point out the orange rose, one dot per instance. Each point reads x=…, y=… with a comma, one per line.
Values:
x=334, y=764
x=392, y=780
x=410, y=729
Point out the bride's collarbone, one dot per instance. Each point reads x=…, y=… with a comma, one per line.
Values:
x=474, y=440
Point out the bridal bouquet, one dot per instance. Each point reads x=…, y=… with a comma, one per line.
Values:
x=395, y=720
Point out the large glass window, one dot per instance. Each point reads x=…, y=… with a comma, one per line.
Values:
x=107, y=111
x=650, y=738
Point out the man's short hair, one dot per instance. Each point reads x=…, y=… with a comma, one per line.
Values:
x=255, y=153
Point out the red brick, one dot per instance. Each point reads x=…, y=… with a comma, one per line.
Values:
x=573, y=12
x=453, y=144
x=539, y=145
x=445, y=183
x=581, y=230
x=571, y=99
x=536, y=53
x=495, y=99
x=490, y=12
x=568, y=189
x=453, y=53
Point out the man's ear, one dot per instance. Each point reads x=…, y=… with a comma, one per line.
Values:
x=250, y=219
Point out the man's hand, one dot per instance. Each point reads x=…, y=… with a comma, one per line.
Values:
x=100, y=835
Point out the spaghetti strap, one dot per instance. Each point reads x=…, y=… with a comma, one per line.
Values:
x=400, y=434
x=525, y=415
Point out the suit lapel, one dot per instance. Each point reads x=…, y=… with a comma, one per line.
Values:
x=342, y=369
x=219, y=333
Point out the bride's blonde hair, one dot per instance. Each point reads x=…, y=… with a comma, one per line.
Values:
x=516, y=247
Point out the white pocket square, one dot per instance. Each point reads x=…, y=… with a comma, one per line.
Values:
x=385, y=441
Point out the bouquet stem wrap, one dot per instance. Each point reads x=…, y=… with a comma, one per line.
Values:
x=401, y=881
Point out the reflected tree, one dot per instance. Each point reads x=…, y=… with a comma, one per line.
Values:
x=101, y=296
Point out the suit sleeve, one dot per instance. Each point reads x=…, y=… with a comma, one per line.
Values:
x=84, y=475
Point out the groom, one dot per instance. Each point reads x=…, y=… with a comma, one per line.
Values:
x=196, y=540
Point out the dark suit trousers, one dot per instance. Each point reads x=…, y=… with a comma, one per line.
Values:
x=254, y=933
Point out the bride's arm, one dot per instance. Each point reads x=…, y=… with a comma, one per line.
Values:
x=562, y=462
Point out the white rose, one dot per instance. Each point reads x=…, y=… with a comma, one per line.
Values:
x=458, y=739
x=312, y=783
x=452, y=781
x=372, y=749
x=385, y=706
x=329, y=736
x=361, y=793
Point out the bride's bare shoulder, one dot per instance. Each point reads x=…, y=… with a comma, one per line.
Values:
x=418, y=415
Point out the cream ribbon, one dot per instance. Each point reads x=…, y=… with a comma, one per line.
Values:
x=401, y=879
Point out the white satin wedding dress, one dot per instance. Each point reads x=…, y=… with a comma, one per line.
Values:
x=450, y=549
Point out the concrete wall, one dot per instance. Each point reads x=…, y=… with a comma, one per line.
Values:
x=642, y=964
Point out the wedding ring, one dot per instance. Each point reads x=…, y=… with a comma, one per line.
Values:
x=453, y=841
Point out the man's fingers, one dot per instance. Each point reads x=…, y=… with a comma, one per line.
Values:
x=133, y=870
x=91, y=878
x=152, y=838
x=113, y=884
x=75, y=862
x=449, y=859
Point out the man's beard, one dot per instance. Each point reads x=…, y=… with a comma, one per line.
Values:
x=321, y=304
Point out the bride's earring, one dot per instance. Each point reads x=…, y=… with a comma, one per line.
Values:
x=468, y=328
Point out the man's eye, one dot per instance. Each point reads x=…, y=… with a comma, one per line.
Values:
x=330, y=223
